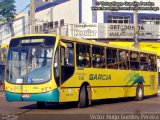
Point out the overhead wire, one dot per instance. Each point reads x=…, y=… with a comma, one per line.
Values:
x=24, y=9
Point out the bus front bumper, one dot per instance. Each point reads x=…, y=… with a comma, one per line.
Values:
x=52, y=96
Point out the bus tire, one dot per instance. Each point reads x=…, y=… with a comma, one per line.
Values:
x=83, y=97
x=139, y=92
x=40, y=104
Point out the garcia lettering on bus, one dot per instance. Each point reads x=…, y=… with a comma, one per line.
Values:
x=100, y=77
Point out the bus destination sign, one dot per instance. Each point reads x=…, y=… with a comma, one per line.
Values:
x=25, y=41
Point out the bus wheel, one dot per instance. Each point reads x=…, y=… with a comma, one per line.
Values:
x=139, y=92
x=40, y=104
x=83, y=97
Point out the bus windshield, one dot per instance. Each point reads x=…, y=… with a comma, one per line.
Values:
x=28, y=63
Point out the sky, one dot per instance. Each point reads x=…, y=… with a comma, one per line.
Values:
x=21, y=4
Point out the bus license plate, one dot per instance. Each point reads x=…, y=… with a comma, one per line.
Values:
x=25, y=95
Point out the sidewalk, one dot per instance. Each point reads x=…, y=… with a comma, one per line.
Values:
x=159, y=89
x=1, y=87
x=2, y=94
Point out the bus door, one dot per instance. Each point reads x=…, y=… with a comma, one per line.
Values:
x=67, y=60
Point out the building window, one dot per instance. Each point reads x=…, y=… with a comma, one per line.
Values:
x=118, y=19
x=40, y=28
x=7, y=29
x=62, y=22
x=36, y=29
x=50, y=24
x=150, y=21
x=45, y=27
x=56, y=24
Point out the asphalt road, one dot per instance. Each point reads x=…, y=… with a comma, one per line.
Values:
x=69, y=111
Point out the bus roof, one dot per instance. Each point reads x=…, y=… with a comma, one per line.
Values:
x=93, y=42
x=30, y=35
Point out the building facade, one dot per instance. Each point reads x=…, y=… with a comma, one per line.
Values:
x=81, y=20
x=20, y=27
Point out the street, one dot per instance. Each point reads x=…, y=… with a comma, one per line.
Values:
x=150, y=105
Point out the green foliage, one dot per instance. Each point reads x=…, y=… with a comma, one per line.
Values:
x=7, y=9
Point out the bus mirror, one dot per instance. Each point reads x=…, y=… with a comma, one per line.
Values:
x=63, y=44
x=55, y=64
x=33, y=52
x=4, y=46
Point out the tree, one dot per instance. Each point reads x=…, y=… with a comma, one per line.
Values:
x=8, y=12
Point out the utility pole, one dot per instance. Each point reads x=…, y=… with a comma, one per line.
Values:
x=136, y=41
x=32, y=16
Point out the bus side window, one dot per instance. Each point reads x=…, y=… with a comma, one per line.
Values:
x=144, y=65
x=83, y=55
x=112, y=60
x=134, y=60
x=67, y=58
x=123, y=59
x=152, y=63
x=98, y=57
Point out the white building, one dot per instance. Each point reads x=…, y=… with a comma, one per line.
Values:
x=98, y=23
x=20, y=27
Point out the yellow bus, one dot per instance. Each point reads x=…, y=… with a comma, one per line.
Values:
x=3, y=55
x=52, y=68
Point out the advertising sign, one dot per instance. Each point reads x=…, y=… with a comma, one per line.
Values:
x=85, y=31
x=127, y=31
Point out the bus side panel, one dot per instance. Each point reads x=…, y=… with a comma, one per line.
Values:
x=151, y=83
x=109, y=83
x=113, y=92
x=69, y=94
